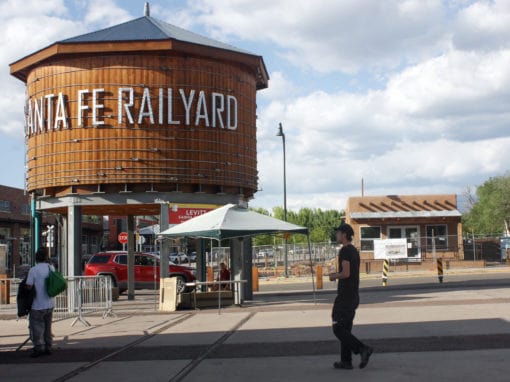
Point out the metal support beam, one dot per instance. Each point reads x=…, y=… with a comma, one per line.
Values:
x=164, y=252
x=64, y=252
x=35, y=229
x=135, y=198
x=240, y=262
x=131, y=256
x=74, y=240
x=201, y=261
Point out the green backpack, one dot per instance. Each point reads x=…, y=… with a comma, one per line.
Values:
x=55, y=283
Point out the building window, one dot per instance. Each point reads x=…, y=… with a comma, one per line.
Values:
x=5, y=206
x=411, y=234
x=367, y=236
x=25, y=209
x=439, y=235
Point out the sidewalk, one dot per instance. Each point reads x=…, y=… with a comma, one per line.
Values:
x=419, y=335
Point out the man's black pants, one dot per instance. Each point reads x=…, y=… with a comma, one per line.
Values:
x=342, y=326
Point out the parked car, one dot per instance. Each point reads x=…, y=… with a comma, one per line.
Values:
x=178, y=258
x=114, y=265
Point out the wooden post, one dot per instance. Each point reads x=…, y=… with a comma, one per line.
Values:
x=5, y=290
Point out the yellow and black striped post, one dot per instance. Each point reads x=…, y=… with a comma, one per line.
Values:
x=386, y=268
x=440, y=269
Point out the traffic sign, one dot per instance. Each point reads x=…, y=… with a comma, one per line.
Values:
x=123, y=237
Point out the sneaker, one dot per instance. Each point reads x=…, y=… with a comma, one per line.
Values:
x=365, y=354
x=343, y=365
x=36, y=353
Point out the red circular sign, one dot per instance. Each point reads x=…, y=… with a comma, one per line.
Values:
x=123, y=237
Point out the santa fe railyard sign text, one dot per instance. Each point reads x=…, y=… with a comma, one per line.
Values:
x=50, y=112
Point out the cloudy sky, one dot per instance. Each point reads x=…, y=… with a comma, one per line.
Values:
x=412, y=96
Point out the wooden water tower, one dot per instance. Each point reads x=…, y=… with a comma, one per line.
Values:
x=123, y=118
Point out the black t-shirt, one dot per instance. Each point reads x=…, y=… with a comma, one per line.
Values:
x=348, y=288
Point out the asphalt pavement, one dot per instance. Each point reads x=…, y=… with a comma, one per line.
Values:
x=421, y=331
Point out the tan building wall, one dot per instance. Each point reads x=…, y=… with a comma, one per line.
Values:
x=424, y=220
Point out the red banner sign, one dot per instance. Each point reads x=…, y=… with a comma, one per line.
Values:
x=185, y=213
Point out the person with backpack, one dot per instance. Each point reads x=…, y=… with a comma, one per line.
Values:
x=41, y=314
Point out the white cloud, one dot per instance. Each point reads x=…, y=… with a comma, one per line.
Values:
x=104, y=13
x=483, y=25
x=460, y=95
x=280, y=87
x=329, y=35
x=31, y=8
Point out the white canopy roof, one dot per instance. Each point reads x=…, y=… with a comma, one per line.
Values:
x=231, y=221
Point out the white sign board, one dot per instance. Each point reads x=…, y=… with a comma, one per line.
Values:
x=390, y=249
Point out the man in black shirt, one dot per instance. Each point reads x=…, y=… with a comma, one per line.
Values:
x=347, y=300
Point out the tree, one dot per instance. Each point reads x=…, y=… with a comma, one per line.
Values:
x=491, y=210
x=321, y=224
x=262, y=239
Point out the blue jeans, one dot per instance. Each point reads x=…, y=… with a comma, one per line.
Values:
x=40, y=328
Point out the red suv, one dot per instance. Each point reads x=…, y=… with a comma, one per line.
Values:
x=114, y=264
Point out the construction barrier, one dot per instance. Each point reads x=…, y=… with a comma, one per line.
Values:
x=209, y=278
x=319, y=276
x=210, y=274
x=386, y=269
x=255, y=278
x=440, y=269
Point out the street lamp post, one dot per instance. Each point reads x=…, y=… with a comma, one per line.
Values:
x=282, y=134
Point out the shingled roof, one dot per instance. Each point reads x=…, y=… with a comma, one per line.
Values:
x=142, y=34
x=148, y=28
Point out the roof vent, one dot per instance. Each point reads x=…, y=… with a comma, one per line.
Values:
x=146, y=9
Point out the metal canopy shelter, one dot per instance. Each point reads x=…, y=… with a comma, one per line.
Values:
x=232, y=221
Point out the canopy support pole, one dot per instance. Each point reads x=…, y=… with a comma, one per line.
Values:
x=311, y=268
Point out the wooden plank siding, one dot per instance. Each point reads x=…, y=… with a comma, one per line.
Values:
x=143, y=155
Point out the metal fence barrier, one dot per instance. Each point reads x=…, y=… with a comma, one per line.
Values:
x=84, y=295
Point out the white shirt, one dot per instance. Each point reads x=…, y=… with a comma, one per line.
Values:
x=37, y=278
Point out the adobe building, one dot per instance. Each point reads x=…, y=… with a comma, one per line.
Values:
x=428, y=223
x=133, y=119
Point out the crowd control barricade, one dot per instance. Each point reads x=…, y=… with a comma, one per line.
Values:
x=84, y=295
